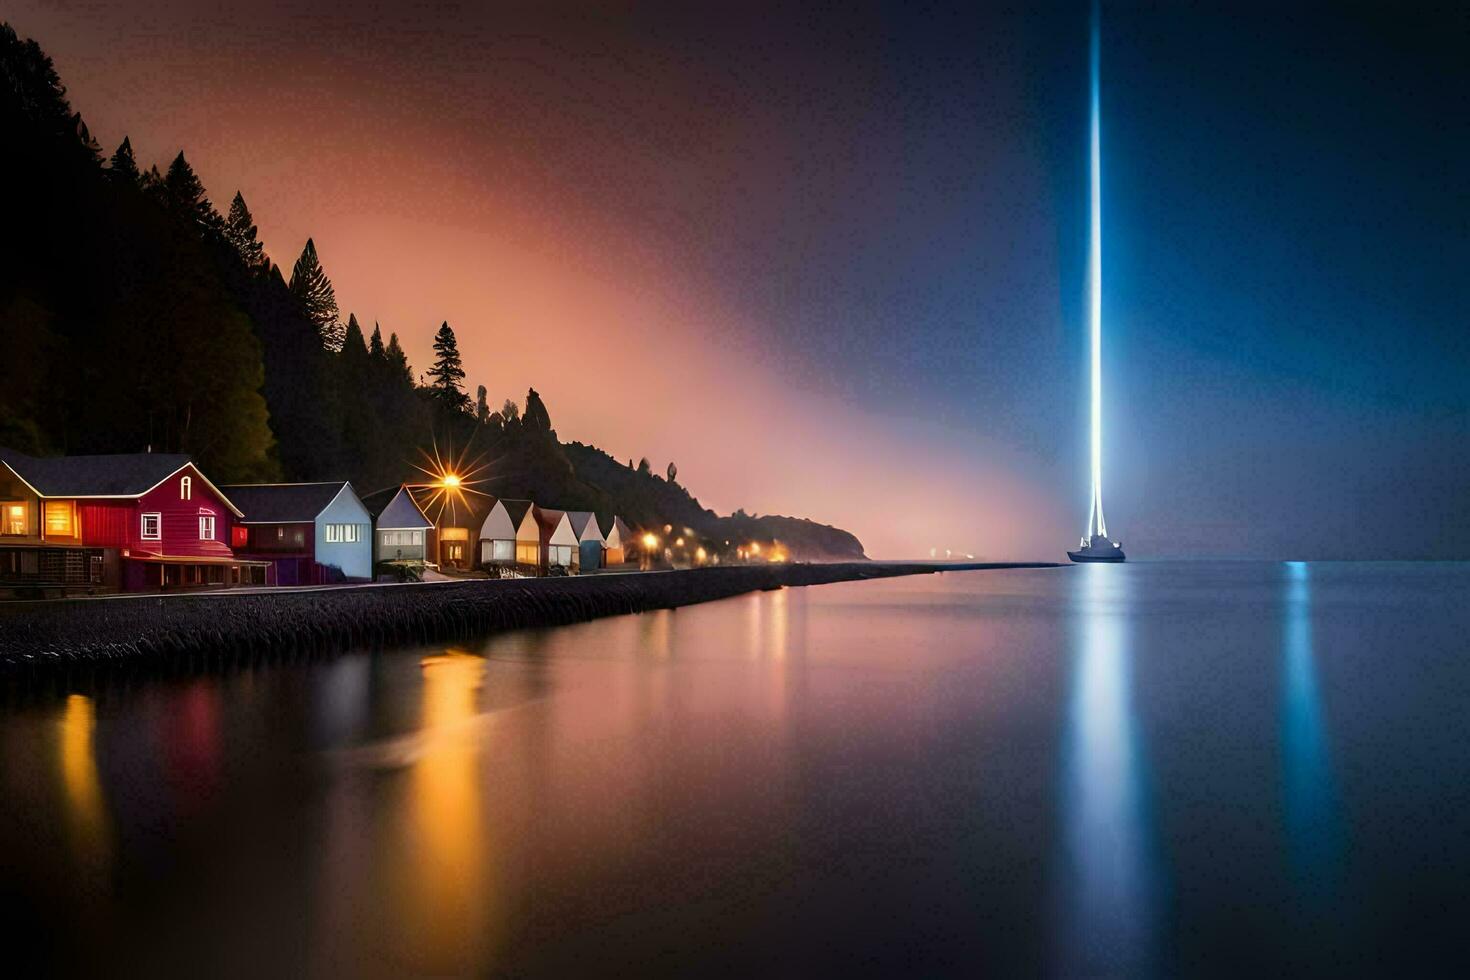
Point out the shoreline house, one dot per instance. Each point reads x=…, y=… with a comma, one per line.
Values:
x=500, y=541
x=590, y=541
x=403, y=532
x=311, y=533
x=559, y=546
x=129, y=522
x=619, y=539
x=456, y=517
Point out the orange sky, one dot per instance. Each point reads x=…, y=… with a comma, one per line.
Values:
x=550, y=278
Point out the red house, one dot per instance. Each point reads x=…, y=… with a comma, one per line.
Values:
x=102, y=523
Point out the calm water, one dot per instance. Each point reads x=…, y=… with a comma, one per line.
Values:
x=1145, y=769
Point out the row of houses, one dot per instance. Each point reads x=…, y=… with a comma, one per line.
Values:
x=148, y=521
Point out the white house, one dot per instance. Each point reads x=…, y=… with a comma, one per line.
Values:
x=590, y=541
x=312, y=532
x=507, y=522
x=403, y=532
x=616, y=542
x=559, y=545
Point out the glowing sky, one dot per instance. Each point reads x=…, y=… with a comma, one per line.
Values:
x=834, y=265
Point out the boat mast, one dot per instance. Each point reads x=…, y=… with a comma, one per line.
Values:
x=1096, y=526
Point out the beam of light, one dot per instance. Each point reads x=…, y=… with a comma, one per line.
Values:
x=451, y=478
x=1096, y=525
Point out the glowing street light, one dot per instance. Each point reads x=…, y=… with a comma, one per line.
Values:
x=450, y=480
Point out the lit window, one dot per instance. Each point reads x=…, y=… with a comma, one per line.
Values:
x=280, y=534
x=206, y=526
x=334, y=533
x=15, y=519
x=152, y=527
x=186, y=488
x=58, y=516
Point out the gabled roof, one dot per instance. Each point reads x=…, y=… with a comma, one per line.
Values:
x=624, y=533
x=402, y=514
x=122, y=475
x=548, y=518
x=516, y=509
x=581, y=521
x=283, y=503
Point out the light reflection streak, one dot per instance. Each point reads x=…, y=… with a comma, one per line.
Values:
x=445, y=906
x=85, y=809
x=1311, y=811
x=1108, y=879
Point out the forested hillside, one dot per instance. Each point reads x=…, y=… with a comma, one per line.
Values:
x=135, y=315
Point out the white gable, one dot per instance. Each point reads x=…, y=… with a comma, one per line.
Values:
x=497, y=526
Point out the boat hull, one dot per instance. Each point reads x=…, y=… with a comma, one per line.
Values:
x=1090, y=556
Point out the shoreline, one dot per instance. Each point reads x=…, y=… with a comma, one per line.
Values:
x=192, y=631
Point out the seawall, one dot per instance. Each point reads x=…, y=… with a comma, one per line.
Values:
x=187, y=632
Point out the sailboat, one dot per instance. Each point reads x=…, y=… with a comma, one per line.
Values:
x=1096, y=545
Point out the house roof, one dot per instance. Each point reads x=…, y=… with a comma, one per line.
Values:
x=122, y=475
x=580, y=520
x=549, y=518
x=402, y=513
x=283, y=503
x=516, y=509
x=621, y=529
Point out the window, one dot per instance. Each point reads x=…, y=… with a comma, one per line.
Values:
x=343, y=533
x=559, y=554
x=152, y=527
x=502, y=550
x=402, y=539
x=14, y=517
x=528, y=552
x=60, y=518
x=206, y=526
x=186, y=488
x=239, y=536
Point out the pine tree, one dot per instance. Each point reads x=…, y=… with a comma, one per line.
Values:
x=240, y=232
x=123, y=168
x=398, y=361
x=152, y=183
x=446, y=377
x=536, y=415
x=184, y=194
x=510, y=411
x=313, y=290
x=352, y=340
x=482, y=405
x=375, y=346
x=673, y=471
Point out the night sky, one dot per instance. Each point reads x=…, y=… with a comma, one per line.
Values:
x=832, y=263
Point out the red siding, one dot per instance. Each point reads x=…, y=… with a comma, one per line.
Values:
x=106, y=523
x=181, y=518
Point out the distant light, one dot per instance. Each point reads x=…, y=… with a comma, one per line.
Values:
x=755, y=548
x=679, y=542
x=450, y=480
x=699, y=555
x=650, y=542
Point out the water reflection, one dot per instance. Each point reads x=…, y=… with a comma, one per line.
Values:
x=1311, y=812
x=444, y=904
x=1108, y=875
x=85, y=810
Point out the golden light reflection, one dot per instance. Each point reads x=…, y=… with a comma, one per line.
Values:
x=86, y=813
x=446, y=904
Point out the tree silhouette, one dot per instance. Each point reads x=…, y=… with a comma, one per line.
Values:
x=446, y=376
x=240, y=232
x=398, y=361
x=673, y=471
x=184, y=195
x=537, y=418
x=482, y=407
x=313, y=290
x=510, y=411
x=375, y=345
x=644, y=466
x=123, y=168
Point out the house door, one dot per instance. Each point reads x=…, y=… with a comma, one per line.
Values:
x=454, y=552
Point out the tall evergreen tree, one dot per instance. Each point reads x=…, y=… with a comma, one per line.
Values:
x=123, y=168
x=398, y=361
x=446, y=377
x=240, y=232
x=510, y=411
x=536, y=415
x=184, y=194
x=482, y=405
x=313, y=290
x=375, y=346
x=353, y=343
